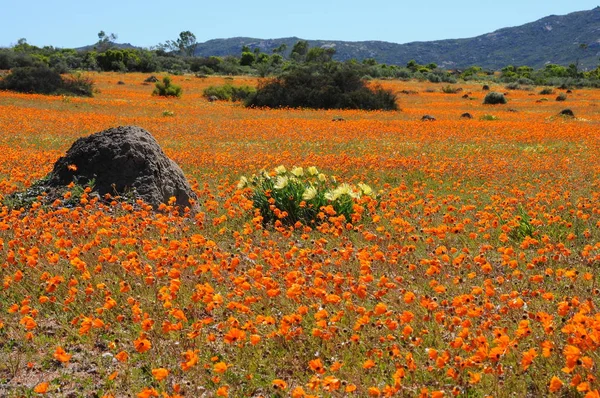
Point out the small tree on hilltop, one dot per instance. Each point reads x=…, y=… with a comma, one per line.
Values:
x=105, y=41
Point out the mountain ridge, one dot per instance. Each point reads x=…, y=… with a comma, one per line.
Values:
x=552, y=39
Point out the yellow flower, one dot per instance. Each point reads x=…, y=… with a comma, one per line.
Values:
x=365, y=188
x=322, y=177
x=309, y=193
x=298, y=171
x=331, y=195
x=243, y=182
x=312, y=170
x=280, y=169
x=343, y=189
x=281, y=182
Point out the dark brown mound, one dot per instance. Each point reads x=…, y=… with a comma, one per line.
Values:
x=567, y=113
x=124, y=160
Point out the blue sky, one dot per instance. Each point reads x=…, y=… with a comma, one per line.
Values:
x=68, y=23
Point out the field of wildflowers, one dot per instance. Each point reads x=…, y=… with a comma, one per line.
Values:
x=463, y=260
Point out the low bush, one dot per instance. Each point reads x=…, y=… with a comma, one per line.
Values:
x=167, y=89
x=547, y=91
x=489, y=117
x=44, y=80
x=448, y=89
x=322, y=86
x=286, y=197
x=78, y=84
x=561, y=97
x=228, y=92
x=494, y=98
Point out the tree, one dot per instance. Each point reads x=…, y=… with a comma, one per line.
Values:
x=186, y=44
x=320, y=54
x=247, y=58
x=299, y=50
x=105, y=41
x=281, y=49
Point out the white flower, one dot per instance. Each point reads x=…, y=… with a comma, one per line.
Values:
x=280, y=169
x=312, y=170
x=298, y=171
x=243, y=182
x=365, y=188
x=309, y=193
x=281, y=182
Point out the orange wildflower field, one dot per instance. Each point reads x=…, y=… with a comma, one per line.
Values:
x=475, y=272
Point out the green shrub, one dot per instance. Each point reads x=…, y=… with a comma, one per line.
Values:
x=547, y=91
x=44, y=80
x=489, y=117
x=450, y=90
x=329, y=85
x=78, y=84
x=304, y=196
x=167, y=89
x=561, y=97
x=494, y=98
x=228, y=92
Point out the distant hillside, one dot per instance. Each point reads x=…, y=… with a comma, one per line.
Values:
x=553, y=39
x=92, y=47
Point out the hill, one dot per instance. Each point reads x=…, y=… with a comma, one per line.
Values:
x=553, y=39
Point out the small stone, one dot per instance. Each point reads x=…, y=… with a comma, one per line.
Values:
x=428, y=118
x=567, y=113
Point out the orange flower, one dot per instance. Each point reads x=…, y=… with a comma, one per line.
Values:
x=223, y=391
x=142, y=344
x=350, y=388
x=368, y=364
x=147, y=393
x=298, y=392
x=316, y=366
x=160, y=373
x=555, y=384
x=572, y=354
x=234, y=335
x=61, y=355
x=190, y=360
x=279, y=384
x=220, y=367
x=41, y=388
x=474, y=377
x=122, y=356
x=254, y=339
